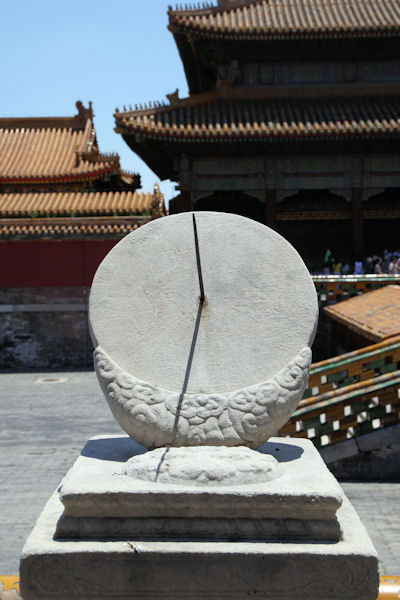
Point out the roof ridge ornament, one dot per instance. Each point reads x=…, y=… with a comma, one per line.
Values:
x=209, y=6
x=174, y=97
x=157, y=205
x=83, y=113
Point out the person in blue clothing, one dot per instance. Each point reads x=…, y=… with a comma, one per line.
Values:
x=358, y=267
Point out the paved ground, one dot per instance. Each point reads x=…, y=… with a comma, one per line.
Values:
x=43, y=426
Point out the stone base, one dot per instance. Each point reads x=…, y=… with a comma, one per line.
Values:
x=201, y=493
x=131, y=566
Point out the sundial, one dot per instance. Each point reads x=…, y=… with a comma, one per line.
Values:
x=202, y=325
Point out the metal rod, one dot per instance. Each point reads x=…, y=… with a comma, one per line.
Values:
x=196, y=243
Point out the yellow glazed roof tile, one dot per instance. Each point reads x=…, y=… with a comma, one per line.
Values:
x=289, y=18
x=48, y=204
x=52, y=149
x=263, y=118
x=374, y=315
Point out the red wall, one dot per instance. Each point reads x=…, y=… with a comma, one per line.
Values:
x=52, y=263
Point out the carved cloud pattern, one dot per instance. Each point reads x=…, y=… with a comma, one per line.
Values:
x=156, y=417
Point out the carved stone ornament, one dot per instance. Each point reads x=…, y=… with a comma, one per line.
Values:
x=156, y=417
x=202, y=325
x=204, y=466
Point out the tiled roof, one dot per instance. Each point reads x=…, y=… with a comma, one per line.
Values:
x=240, y=119
x=52, y=149
x=58, y=228
x=78, y=203
x=375, y=315
x=76, y=214
x=269, y=19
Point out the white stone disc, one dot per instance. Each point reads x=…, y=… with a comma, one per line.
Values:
x=261, y=307
x=227, y=372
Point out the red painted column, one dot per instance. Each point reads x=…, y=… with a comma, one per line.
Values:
x=357, y=222
x=270, y=208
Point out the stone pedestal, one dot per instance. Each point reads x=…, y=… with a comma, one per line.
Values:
x=277, y=526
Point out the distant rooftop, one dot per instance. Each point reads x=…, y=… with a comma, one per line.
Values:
x=209, y=117
x=374, y=315
x=53, y=149
x=55, y=183
x=263, y=19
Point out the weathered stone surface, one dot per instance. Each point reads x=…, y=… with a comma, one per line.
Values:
x=178, y=522
x=138, y=568
x=205, y=529
x=226, y=372
x=203, y=466
x=156, y=417
x=98, y=487
x=203, y=493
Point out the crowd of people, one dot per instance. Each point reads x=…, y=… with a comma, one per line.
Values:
x=388, y=263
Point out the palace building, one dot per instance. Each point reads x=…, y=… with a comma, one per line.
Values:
x=292, y=119
x=63, y=206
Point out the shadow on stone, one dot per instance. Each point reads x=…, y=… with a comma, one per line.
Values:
x=188, y=367
x=118, y=449
x=281, y=451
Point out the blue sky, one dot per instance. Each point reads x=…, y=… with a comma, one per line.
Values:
x=54, y=52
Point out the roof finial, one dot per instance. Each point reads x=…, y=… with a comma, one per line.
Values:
x=83, y=113
x=173, y=97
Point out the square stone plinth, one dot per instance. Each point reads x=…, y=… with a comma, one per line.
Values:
x=134, y=567
x=101, y=501
x=97, y=490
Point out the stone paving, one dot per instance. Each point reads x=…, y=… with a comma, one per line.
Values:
x=45, y=420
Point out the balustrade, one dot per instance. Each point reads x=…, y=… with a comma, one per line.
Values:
x=342, y=287
x=350, y=395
